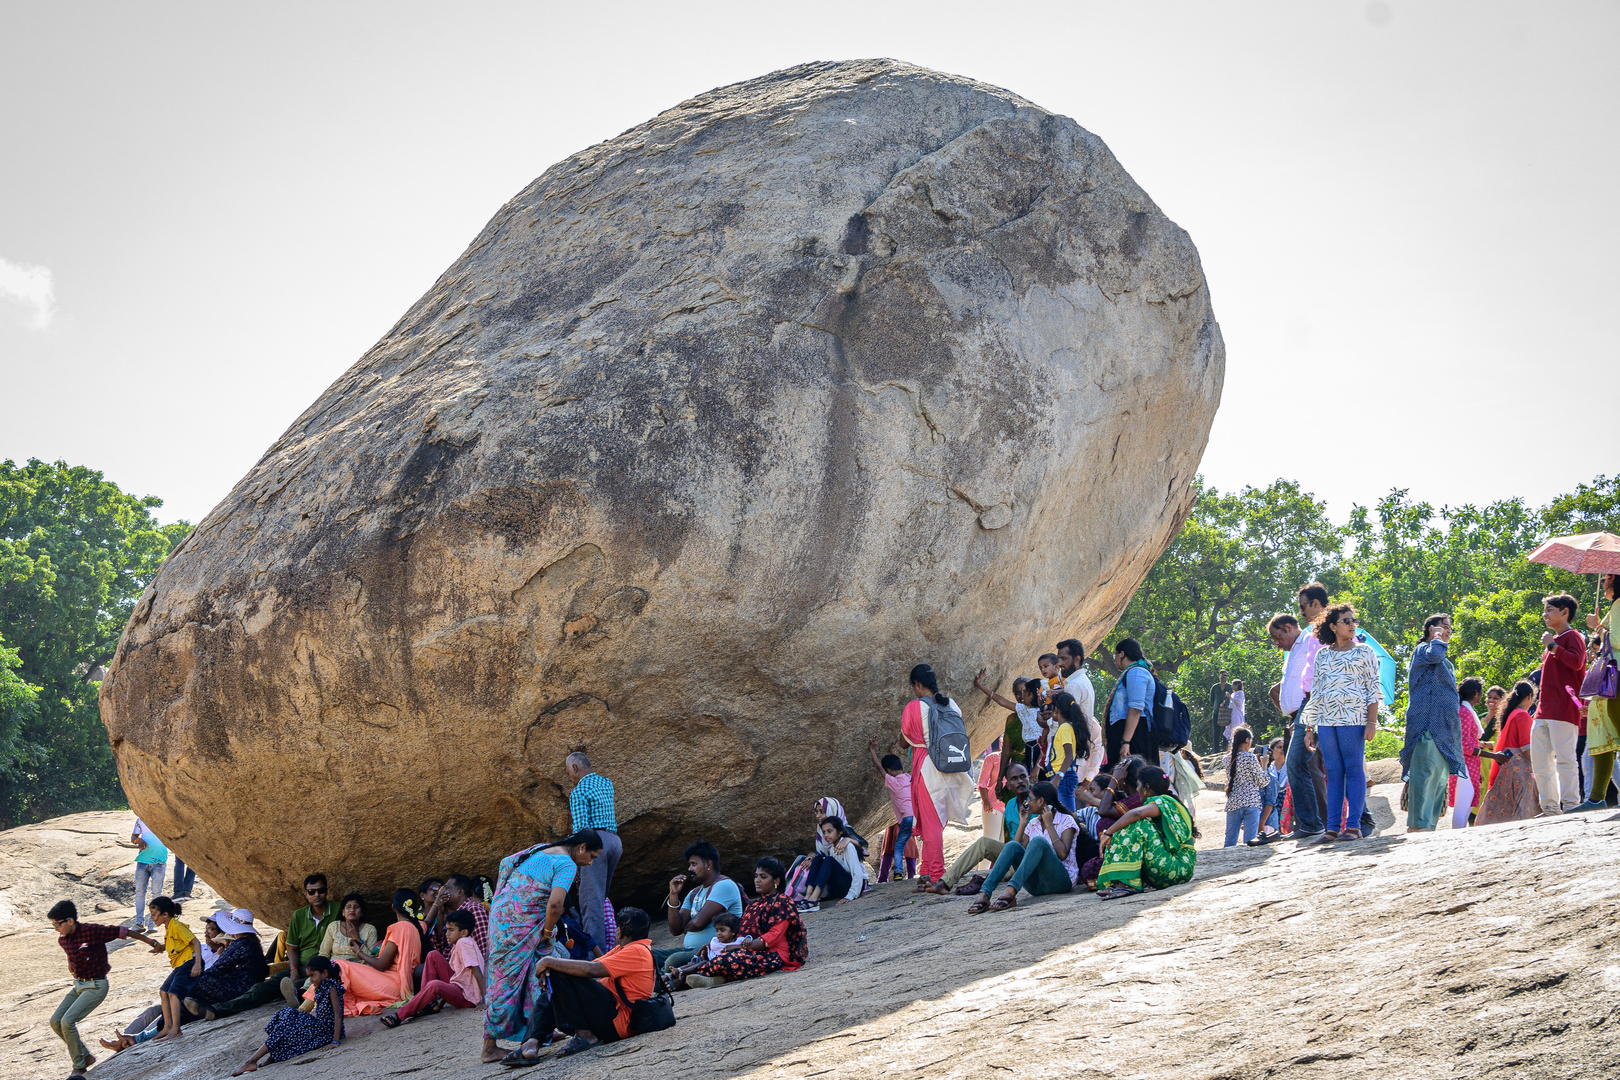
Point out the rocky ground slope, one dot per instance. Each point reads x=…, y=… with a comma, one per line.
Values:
x=1479, y=953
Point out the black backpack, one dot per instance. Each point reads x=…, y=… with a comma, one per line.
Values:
x=1172, y=723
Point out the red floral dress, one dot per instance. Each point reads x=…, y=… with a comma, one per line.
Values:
x=774, y=919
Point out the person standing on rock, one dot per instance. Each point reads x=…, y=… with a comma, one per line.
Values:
x=1130, y=709
x=1220, y=698
x=935, y=796
x=1343, y=711
x=150, y=865
x=1603, y=714
x=1558, y=712
x=1433, y=747
x=591, y=804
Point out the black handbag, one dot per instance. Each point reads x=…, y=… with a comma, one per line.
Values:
x=653, y=1014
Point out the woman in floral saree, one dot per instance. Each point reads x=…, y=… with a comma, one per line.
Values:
x=1151, y=845
x=772, y=921
x=530, y=893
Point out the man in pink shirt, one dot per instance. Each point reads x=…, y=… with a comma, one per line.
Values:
x=1556, y=728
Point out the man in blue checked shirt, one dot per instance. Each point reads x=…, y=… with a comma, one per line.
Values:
x=591, y=804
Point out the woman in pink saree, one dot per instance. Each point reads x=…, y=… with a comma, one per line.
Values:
x=936, y=797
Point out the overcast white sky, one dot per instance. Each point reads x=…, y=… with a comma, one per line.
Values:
x=1407, y=211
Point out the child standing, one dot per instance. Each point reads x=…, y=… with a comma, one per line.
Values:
x=458, y=983
x=898, y=783
x=185, y=960
x=86, y=948
x=1244, y=779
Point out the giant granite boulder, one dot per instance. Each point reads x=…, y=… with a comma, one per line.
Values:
x=714, y=431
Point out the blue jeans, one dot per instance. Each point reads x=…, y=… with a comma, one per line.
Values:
x=1248, y=818
x=1306, y=818
x=901, y=840
x=1066, y=786
x=1038, y=869
x=184, y=878
x=1344, y=752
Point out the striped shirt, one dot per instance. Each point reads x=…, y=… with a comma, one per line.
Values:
x=591, y=803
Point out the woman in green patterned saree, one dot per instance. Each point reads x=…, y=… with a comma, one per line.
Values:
x=1152, y=844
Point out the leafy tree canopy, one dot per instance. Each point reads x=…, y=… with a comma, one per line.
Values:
x=75, y=553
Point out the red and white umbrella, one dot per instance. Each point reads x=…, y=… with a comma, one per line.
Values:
x=1585, y=553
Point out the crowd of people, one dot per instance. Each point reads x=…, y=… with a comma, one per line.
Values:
x=1071, y=798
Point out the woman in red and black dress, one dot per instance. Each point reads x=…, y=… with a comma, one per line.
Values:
x=772, y=922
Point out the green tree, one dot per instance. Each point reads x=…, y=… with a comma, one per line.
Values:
x=1206, y=602
x=75, y=553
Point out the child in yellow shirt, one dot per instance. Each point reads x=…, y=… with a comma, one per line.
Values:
x=184, y=958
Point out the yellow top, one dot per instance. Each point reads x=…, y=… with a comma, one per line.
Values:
x=179, y=942
x=1064, y=737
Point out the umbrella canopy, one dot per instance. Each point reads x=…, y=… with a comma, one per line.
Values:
x=1586, y=553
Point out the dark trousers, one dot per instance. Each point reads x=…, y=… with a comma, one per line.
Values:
x=594, y=882
x=260, y=993
x=830, y=874
x=183, y=879
x=1305, y=773
x=1143, y=744
x=577, y=1003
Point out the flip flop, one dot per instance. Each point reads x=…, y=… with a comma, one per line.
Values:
x=1115, y=892
x=1350, y=834
x=574, y=1046
x=391, y=1021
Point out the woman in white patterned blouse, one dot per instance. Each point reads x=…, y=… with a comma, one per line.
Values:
x=1343, y=713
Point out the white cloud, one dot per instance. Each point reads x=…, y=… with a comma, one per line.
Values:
x=31, y=287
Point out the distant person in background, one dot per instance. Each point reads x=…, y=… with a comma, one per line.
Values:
x=1603, y=714
x=184, y=880
x=151, y=861
x=1465, y=791
x=989, y=783
x=1220, y=699
x=1558, y=712
x=1433, y=747
x=1237, y=709
x=1512, y=792
x=591, y=805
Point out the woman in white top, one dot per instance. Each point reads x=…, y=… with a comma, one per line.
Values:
x=1237, y=709
x=1342, y=715
x=836, y=870
x=1042, y=851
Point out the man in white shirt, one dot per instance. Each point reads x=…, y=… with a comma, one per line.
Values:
x=1072, y=664
x=1289, y=696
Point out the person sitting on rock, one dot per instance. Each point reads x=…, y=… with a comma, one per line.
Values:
x=1040, y=856
x=292, y=1032
x=457, y=982
x=456, y=894
x=693, y=918
x=590, y=999
x=726, y=928
x=1151, y=845
x=351, y=935
x=986, y=848
x=772, y=935
x=305, y=932
x=1121, y=793
x=236, y=970
x=836, y=870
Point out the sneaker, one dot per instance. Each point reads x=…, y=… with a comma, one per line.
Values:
x=1589, y=804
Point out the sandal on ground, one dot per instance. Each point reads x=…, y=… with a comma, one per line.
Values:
x=1350, y=834
x=434, y=1009
x=971, y=885
x=574, y=1046
x=980, y=904
x=1324, y=838
x=1002, y=903
x=1114, y=892
x=516, y=1060
x=391, y=1021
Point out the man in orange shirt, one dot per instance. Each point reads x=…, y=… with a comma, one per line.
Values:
x=583, y=1000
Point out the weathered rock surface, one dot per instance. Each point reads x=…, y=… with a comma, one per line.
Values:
x=1484, y=953
x=714, y=431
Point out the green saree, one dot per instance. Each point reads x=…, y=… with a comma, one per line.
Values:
x=1158, y=851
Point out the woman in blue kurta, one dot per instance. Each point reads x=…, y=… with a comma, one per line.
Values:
x=1433, y=749
x=531, y=892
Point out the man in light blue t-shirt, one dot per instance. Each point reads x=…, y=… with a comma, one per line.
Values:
x=693, y=917
x=150, y=863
